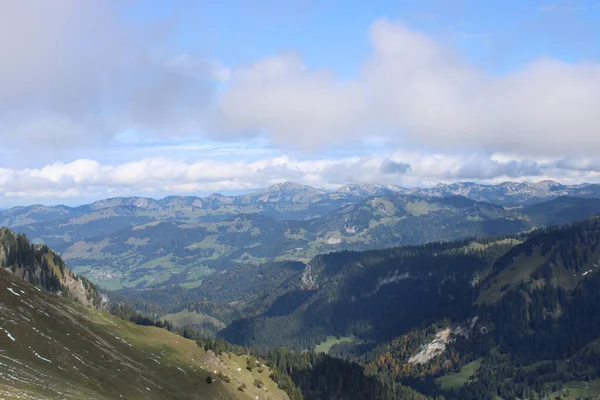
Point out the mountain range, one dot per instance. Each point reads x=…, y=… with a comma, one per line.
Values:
x=294, y=201
x=141, y=243
x=445, y=294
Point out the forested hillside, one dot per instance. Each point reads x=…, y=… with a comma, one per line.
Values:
x=43, y=267
x=532, y=331
x=502, y=317
x=374, y=295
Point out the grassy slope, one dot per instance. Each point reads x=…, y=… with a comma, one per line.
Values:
x=331, y=341
x=579, y=390
x=455, y=380
x=186, y=317
x=64, y=350
x=523, y=266
x=520, y=270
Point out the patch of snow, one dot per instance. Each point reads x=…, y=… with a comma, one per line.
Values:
x=40, y=357
x=13, y=292
x=11, y=337
x=397, y=277
x=334, y=240
x=74, y=355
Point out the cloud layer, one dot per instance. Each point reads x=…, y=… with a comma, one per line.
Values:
x=76, y=78
x=416, y=92
x=79, y=73
x=76, y=73
x=159, y=176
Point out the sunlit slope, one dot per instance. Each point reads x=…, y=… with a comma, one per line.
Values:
x=54, y=348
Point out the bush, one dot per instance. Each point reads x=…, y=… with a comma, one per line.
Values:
x=223, y=377
x=258, y=383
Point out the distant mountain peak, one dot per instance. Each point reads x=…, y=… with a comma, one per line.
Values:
x=290, y=186
x=548, y=184
x=368, y=189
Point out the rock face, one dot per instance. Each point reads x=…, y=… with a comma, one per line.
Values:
x=307, y=282
x=434, y=348
x=438, y=345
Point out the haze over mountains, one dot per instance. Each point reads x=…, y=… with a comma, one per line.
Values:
x=273, y=197
x=140, y=242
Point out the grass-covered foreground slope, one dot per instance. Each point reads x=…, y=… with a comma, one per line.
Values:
x=55, y=348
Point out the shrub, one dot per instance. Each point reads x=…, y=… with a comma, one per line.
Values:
x=223, y=377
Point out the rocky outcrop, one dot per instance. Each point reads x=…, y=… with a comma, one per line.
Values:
x=307, y=282
x=441, y=340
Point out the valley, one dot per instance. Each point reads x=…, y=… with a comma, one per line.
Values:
x=420, y=297
x=143, y=243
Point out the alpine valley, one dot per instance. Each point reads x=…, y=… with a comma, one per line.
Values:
x=145, y=243
x=461, y=291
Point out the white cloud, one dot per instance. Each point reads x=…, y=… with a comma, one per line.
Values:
x=75, y=73
x=415, y=91
x=293, y=104
x=159, y=176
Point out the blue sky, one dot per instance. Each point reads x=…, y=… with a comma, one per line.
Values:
x=332, y=34
x=153, y=98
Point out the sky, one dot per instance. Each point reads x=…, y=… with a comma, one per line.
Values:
x=152, y=98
